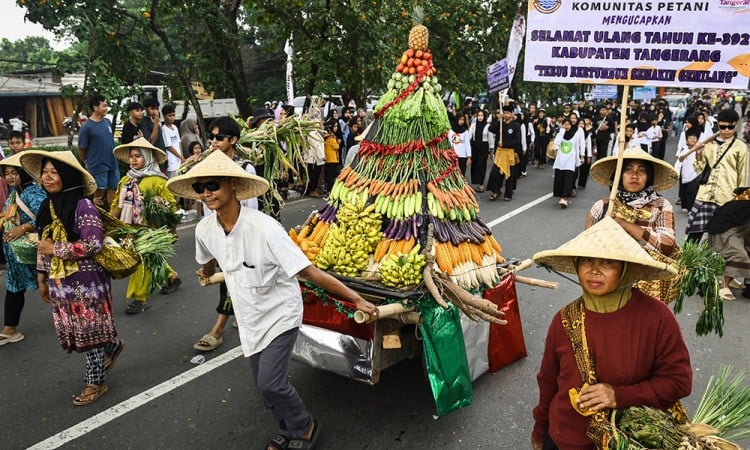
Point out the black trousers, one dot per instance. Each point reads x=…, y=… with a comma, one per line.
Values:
x=480, y=151
x=540, y=149
x=14, y=302
x=583, y=173
x=462, y=165
x=495, y=183
x=313, y=177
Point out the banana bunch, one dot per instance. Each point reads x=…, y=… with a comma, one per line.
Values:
x=402, y=269
x=350, y=242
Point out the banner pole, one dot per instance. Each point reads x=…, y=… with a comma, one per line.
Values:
x=620, y=151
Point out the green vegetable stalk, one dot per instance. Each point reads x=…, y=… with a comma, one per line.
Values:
x=703, y=266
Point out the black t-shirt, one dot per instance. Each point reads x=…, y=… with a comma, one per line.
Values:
x=601, y=133
x=129, y=133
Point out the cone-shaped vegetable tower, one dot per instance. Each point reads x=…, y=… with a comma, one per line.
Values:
x=405, y=177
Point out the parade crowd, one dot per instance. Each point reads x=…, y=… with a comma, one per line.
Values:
x=56, y=198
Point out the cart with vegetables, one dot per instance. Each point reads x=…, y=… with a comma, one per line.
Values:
x=401, y=227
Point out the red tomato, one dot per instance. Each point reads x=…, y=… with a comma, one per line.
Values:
x=412, y=70
x=410, y=53
x=417, y=62
x=410, y=63
x=419, y=53
x=400, y=68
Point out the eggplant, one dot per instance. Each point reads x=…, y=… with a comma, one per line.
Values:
x=407, y=230
x=414, y=228
x=389, y=229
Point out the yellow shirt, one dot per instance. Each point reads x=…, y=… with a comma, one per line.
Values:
x=332, y=149
x=730, y=174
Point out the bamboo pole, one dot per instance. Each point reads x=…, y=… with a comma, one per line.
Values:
x=216, y=278
x=621, y=150
x=384, y=312
x=699, y=145
x=537, y=282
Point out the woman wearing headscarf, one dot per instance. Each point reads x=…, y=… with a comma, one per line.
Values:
x=569, y=156
x=459, y=138
x=18, y=218
x=78, y=288
x=612, y=348
x=188, y=133
x=480, y=149
x=639, y=209
x=143, y=177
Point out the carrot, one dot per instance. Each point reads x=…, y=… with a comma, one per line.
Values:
x=375, y=187
x=388, y=187
x=344, y=173
x=351, y=178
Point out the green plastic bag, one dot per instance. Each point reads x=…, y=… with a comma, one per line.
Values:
x=445, y=358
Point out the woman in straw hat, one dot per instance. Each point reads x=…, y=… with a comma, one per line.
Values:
x=19, y=218
x=639, y=208
x=143, y=177
x=260, y=264
x=612, y=348
x=79, y=289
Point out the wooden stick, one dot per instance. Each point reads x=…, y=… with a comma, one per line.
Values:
x=698, y=145
x=216, y=278
x=621, y=151
x=523, y=265
x=537, y=282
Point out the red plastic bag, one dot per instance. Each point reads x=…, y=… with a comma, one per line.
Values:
x=507, y=344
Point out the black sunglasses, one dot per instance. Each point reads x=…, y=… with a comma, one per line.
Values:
x=212, y=185
x=219, y=137
x=727, y=127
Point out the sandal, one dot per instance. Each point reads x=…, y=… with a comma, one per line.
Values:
x=90, y=394
x=137, y=307
x=280, y=442
x=306, y=444
x=494, y=197
x=480, y=189
x=726, y=294
x=110, y=360
x=10, y=338
x=208, y=343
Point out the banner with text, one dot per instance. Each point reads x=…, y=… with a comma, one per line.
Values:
x=497, y=76
x=678, y=43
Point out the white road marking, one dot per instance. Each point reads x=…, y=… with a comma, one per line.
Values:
x=126, y=406
x=518, y=211
x=137, y=401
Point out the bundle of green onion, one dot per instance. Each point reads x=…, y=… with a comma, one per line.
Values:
x=726, y=405
x=153, y=246
x=158, y=213
x=702, y=267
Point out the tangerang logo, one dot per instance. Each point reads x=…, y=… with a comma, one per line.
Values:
x=547, y=6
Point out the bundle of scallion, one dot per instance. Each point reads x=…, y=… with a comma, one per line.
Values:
x=158, y=213
x=702, y=267
x=153, y=246
x=726, y=405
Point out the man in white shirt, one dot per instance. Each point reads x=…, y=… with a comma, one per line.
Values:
x=631, y=140
x=260, y=264
x=171, y=136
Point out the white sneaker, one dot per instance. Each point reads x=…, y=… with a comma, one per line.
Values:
x=563, y=203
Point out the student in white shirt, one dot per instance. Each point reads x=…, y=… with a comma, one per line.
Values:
x=689, y=178
x=460, y=139
x=171, y=136
x=653, y=134
x=261, y=264
x=631, y=140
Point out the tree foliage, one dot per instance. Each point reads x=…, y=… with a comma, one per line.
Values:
x=30, y=53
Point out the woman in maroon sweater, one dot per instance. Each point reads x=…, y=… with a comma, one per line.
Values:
x=615, y=345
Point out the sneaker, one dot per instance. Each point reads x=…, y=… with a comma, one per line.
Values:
x=171, y=287
x=523, y=174
x=563, y=203
x=685, y=211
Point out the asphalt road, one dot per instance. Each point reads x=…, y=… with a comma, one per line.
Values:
x=158, y=399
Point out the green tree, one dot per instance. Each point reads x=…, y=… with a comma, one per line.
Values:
x=30, y=53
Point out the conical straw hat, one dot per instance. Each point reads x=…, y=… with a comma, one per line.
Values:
x=31, y=161
x=122, y=152
x=665, y=176
x=217, y=164
x=13, y=161
x=605, y=239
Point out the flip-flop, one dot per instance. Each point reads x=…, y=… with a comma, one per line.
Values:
x=90, y=394
x=10, y=338
x=726, y=294
x=212, y=343
x=305, y=444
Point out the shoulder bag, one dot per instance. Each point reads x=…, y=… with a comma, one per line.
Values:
x=706, y=174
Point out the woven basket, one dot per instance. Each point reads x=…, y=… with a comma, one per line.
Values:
x=665, y=290
x=25, y=248
x=118, y=262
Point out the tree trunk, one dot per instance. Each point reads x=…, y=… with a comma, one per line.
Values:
x=234, y=58
x=181, y=72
